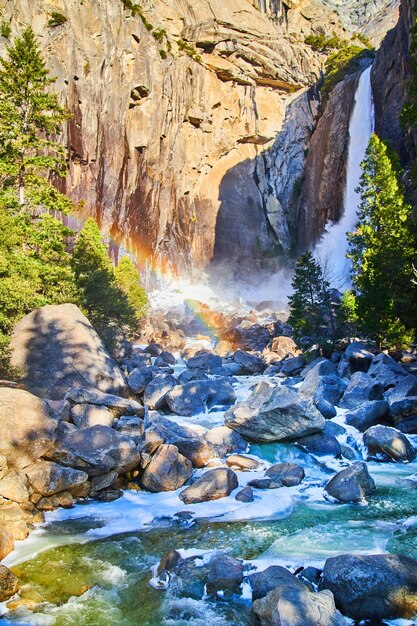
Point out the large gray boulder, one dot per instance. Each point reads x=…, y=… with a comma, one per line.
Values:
x=117, y=405
x=205, y=361
x=199, y=395
x=351, y=484
x=388, y=444
x=323, y=443
x=274, y=413
x=376, y=587
x=387, y=371
x=362, y=388
x=225, y=574
x=402, y=401
x=57, y=348
x=268, y=579
x=225, y=440
x=48, y=478
x=156, y=390
x=26, y=429
x=290, y=605
x=167, y=471
x=95, y=450
x=356, y=358
x=191, y=445
x=248, y=363
x=289, y=474
x=212, y=485
x=86, y=415
x=367, y=414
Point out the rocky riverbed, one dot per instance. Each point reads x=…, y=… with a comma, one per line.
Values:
x=206, y=482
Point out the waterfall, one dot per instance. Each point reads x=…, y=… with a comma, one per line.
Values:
x=332, y=247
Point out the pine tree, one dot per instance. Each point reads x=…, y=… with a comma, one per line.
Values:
x=128, y=279
x=29, y=117
x=382, y=250
x=309, y=300
x=106, y=305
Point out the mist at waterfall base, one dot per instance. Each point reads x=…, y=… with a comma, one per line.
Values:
x=332, y=248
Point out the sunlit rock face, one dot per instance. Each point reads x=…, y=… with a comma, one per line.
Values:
x=189, y=126
x=370, y=17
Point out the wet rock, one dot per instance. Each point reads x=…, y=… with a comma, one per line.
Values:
x=48, y=478
x=95, y=450
x=245, y=495
x=388, y=444
x=288, y=605
x=270, y=578
x=191, y=445
x=139, y=378
x=190, y=578
x=264, y=483
x=26, y=428
x=326, y=408
x=288, y=474
x=206, y=361
x=156, y=391
x=362, y=388
x=381, y=586
x=57, y=348
x=351, y=484
x=387, y=371
x=225, y=574
x=367, y=414
x=241, y=462
x=9, y=583
x=249, y=363
x=169, y=562
x=167, y=471
x=321, y=444
x=225, y=440
x=6, y=543
x=310, y=576
x=274, y=413
x=212, y=485
x=197, y=396
x=118, y=406
x=356, y=358
x=109, y=495
x=86, y=415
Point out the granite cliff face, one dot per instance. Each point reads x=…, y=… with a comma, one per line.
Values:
x=190, y=121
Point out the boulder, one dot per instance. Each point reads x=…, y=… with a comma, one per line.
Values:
x=225, y=440
x=190, y=444
x=6, y=543
x=274, y=413
x=62, y=499
x=407, y=387
x=9, y=583
x=356, y=358
x=212, y=485
x=321, y=444
x=205, y=361
x=167, y=471
x=197, y=396
x=284, y=346
x=131, y=426
x=245, y=495
x=95, y=450
x=249, y=363
x=154, y=349
x=288, y=605
x=104, y=481
x=292, y=365
x=165, y=358
x=264, y=483
x=13, y=519
x=404, y=414
x=117, y=405
x=325, y=408
x=351, y=484
x=188, y=375
x=375, y=587
x=270, y=578
x=387, y=371
x=190, y=579
x=13, y=487
x=156, y=391
x=288, y=474
x=388, y=444
x=139, y=378
x=316, y=369
x=225, y=574
x=86, y=415
x=56, y=348
x=245, y=463
x=48, y=478
x=26, y=428
x=362, y=388
x=329, y=388
x=367, y=414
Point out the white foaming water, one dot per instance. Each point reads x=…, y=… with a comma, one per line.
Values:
x=332, y=247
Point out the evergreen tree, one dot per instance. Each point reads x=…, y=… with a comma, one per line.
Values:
x=128, y=279
x=103, y=300
x=310, y=298
x=382, y=250
x=29, y=117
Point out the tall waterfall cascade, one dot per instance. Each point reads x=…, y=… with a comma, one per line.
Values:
x=332, y=248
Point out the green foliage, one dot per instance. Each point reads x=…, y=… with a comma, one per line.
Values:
x=311, y=310
x=5, y=29
x=56, y=19
x=324, y=44
x=189, y=50
x=163, y=54
x=364, y=40
x=340, y=64
x=136, y=9
x=128, y=279
x=382, y=250
x=101, y=297
x=159, y=34
x=30, y=119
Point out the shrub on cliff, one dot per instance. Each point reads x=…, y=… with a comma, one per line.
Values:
x=383, y=250
x=128, y=279
x=341, y=63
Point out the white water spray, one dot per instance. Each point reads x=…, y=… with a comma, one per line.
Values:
x=332, y=247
